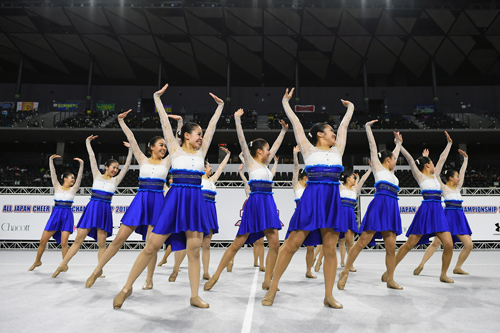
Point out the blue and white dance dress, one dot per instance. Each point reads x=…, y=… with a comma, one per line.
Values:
x=382, y=213
x=430, y=217
x=209, y=191
x=349, y=200
x=97, y=213
x=320, y=205
x=184, y=208
x=61, y=219
x=260, y=212
x=298, y=194
x=144, y=210
x=454, y=212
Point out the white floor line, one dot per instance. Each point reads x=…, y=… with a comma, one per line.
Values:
x=247, y=322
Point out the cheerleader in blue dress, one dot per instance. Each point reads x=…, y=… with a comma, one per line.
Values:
x=209, y=191
x=382, y=218
x=183, y=219
x=260, y=216
x=97, y=220
x=61, y=221
x=317, y=218
x=349, y=192
x=143, y=211
x=430, y=219
x=459, y=226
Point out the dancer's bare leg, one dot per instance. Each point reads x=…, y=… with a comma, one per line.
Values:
x=330, y=239
x=151, y=266
x=406, y=247
x=41, y=248
x=320, y=259
x=362, y=242
x=178, y=259
x=342, y=251
x=64, y=243
x=447, y=242
x=467, y=241
x=226, y=258
x=80, y=237
x=168, y=250
x=101, y=243
x=260, y=250
x=123, y=234
x=272, y=254
x=295, y=240
x=205, y=256
x=152, y=247
x=436, y=243
x=390, y=258
x=309, y=262
x=349, y=242
x=194, y=240
x=255, y=254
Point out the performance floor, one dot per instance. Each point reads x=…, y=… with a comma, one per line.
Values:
x=34, y=302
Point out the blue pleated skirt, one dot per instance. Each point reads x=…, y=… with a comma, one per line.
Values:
x=320, y=205
x=350, y=217
x=61, y=219
x=260, y=212
x=382, y=213
x=97, y=215
x=457, y=222
x=209, y=197
x=429, y=218
x=184, y=209
x=144, y=210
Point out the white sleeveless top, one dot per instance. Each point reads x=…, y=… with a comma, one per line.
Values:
x=261, y=173
x=386, y=175
x=64, y=196
x=299, y=192
x=187, y=161
x=430, y=183
x=106, y=185
x=327, y=157
x=149, y=170
x=207, y=184
x=350, y=194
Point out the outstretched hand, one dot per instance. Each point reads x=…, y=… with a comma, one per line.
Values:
x=283, y=124
x=398, y=138
x=288, y=94
x=448, y=137
x=124, y=114
x=175, y=116
x=276, y=158
x=217, y=99
x=463, y=153
x=346, y=103
x=240, y=168
x=425, y=153
x=92, y=137
x=126, y=144
x=296, y=149
x=224, y=149
x=78, y=159
x=239, y=113
x=54, y=156
x=162, y=90
x=371, y=122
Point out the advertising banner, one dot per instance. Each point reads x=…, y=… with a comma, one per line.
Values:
x=105, y=106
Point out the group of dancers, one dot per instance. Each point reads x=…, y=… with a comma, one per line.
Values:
x=185, y=217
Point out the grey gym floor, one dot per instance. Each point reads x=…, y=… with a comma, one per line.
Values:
x=34, y=302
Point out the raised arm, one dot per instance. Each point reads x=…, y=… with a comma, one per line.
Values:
x=241, y=136
x=275, y=166
x=139, y=155
x=295, y=177
x=209, y=132
x=360, y=182
x=93, y=162
x=244, y=179
x=342, y=132
x=180, y=122
x=298, y=130
x=376, y=164
x=78, y=180
x=413, y=166
x=124, y=170
x=53, y=174
x=398, y=141
x=463, y=168
x=217, y=173
x=172, y=144
x=443, y=156
x=279, y=140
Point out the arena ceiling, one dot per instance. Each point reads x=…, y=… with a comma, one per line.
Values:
x=263, y=40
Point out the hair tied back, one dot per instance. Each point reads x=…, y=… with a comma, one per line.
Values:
x=310, y=135
x=250, y=144
x=379, y=155
x=417, y=162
